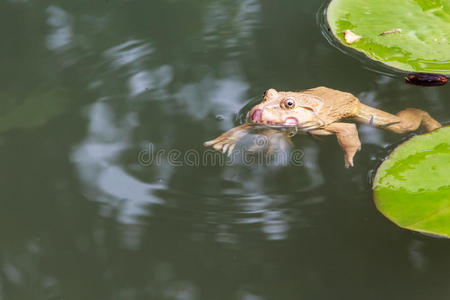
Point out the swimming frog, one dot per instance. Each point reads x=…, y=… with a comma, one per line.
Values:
x=323, y=111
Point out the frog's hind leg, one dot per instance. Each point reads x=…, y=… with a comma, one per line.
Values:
x=407, y=120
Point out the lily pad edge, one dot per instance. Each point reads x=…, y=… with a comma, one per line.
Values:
x=375, y=200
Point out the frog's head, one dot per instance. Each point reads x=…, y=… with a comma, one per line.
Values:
x=286, y=109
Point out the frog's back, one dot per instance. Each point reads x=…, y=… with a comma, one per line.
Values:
x=336, y=104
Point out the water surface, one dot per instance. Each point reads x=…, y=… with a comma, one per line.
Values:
x=88, y=85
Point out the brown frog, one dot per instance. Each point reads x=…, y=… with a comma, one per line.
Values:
x=320, y=111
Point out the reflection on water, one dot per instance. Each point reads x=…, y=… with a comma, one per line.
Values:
x=224, y=96
x=86, y=86
x=96, y=161
x=231, y=26
x=61, y=33
x=130, y=53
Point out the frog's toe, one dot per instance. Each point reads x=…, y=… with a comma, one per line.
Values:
x=230, y=149
x=217, y=146
x=348, y=163
x=224, y=145
x=225, y=148
x=349, y=159
x=210, y=143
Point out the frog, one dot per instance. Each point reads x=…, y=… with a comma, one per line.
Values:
x=322, y=111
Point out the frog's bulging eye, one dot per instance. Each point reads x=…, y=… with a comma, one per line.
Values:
x=289, y=103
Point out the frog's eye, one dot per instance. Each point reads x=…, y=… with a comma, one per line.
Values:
x=289, y=103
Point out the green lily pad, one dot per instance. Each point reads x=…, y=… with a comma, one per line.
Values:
x=412, y=187
x=423, y=45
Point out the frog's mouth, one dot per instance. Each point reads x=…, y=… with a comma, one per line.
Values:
x=256, y=115
x=291, y=121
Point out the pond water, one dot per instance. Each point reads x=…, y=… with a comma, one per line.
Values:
x=87, y=87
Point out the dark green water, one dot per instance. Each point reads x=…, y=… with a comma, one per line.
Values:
x=87, y=85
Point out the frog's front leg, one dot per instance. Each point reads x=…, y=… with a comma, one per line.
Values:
x=407, y=120
x=227, y=141
x=265, y=138
x=347, y=136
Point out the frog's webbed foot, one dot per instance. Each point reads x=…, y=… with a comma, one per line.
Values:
x=411, y=118
x=347, y=136
x=227, y=141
